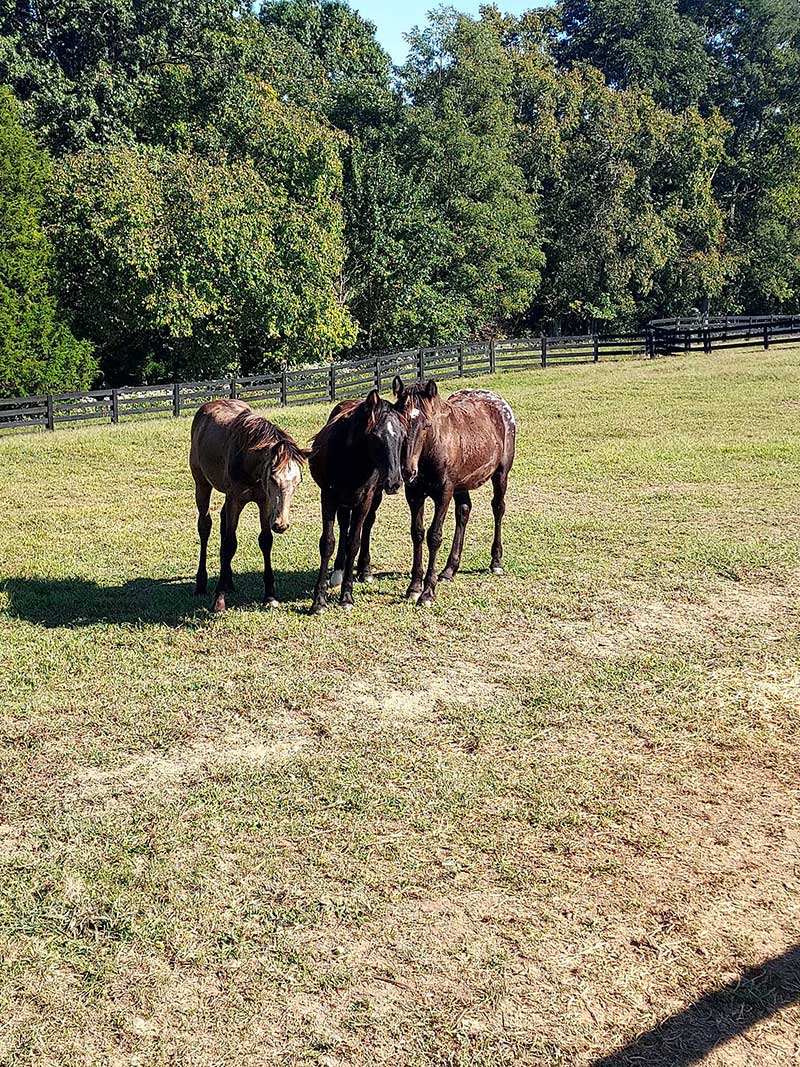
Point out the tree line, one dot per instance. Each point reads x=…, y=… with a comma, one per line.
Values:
x=192, y=189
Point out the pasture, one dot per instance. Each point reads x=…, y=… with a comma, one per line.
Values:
x=523, y=826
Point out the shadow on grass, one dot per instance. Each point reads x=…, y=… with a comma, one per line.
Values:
x=167, y=602
x=688, y=1036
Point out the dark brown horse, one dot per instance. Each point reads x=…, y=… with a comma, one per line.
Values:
x=238, y=452
x=453, y=446
x=355, y=458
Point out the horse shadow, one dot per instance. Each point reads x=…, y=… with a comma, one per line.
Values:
x=716, y=1017
x=75, y=602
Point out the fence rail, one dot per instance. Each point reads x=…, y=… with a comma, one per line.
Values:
x=336, y=381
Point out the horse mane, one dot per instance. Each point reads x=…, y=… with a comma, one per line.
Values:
x=252, y=431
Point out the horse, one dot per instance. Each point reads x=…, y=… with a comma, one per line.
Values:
x=452, y=447
x=238, y=452
x=355, y=459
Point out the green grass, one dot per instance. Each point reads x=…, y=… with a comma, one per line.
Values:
x=519, y=827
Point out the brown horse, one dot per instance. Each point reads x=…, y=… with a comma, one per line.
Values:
x=453, y=446
x=355, y=458
x=238, y=452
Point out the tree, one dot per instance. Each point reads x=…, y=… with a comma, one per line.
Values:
x=461, y=146
x=191, y=267
x=38, y=353
x=648, y=43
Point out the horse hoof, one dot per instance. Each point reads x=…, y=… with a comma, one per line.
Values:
x=272, y=603
x=347, y=606
x=317, y=609
x=219, y=604
x=425, y=601
x=367, y=578
x=497, y=569
x=335, y=579
x=445, y=577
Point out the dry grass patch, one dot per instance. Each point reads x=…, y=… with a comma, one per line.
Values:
x=526, y=827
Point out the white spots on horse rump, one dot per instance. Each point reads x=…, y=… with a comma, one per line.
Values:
x=496, y=401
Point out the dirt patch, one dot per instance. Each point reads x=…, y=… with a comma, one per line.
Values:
x=614, y=951
x=181, y=763
x=464, y=685
x=617, y=627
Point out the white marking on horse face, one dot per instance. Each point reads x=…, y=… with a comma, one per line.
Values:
x=414, y=413
x=390, y=430
x=286, y=481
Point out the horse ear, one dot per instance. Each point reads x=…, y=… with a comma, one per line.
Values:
x=397, y=385
x=372, y=406
x=305, y=454
x=431, y=388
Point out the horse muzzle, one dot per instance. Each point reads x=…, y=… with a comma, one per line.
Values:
x=280, y=527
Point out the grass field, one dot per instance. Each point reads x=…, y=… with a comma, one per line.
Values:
x=526, y=826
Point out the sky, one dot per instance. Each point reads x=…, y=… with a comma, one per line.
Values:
x=393, y=19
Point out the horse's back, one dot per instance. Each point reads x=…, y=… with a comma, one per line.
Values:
x=211, y=440
x=325, y=445
x=487, y=416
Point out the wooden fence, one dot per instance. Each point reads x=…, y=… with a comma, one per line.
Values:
x=335, y=381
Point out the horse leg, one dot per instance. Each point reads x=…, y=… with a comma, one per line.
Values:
x=229, y=520
x=202, y=496
x=327, y=543
x=463, y=508
x=364, y=569
x=265, y=540
x=358, y=517
x=343, y=516
x=416, y=504
x=434, y=543
x=499, y=483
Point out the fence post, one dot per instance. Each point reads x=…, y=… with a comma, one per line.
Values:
x=332, y=381
x=176, y=399
x=114, y=406
x=378, y=373
x=596, y=353
x=492, y=357
x=544, y=351
x=51, y=422
x=233, y=389
x=766, y=335
x=421, y=365
x=284, y=387
x=461, y=361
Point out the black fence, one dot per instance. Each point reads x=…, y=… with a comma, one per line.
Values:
x=669, y=337
x=335, y=381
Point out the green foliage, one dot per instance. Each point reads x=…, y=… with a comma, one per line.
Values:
x=646, y=43
x=211, y=268
x=241, y=187
x=38, y=353
x=742, y=59
x=487, y=259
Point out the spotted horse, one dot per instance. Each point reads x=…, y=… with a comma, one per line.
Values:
x=453, y=446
